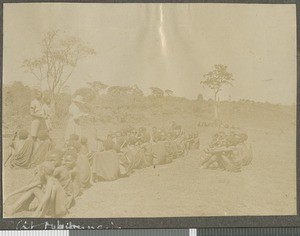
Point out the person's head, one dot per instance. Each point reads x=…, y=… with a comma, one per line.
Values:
x=83, y=140
x=45, y=170
x=69, y=159
x=23, y=134
x=42, y=135
x=74, y=137
x=74, y=145
x=38, y=95
x=55, y=157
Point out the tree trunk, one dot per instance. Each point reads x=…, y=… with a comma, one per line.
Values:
x=52, y=105
x=216, y=108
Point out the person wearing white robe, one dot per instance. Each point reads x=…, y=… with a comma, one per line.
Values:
x=73, y=125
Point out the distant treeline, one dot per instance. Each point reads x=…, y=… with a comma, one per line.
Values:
x=109, y=104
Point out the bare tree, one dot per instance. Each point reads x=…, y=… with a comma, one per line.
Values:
x=59, y=57
x=215, y=80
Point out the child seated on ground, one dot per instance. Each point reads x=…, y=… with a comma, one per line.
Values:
x=83, y=164
x=21, y=149
x=52, y=200
x=68, y=174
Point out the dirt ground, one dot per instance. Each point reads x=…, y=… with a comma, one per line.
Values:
x=182, y=188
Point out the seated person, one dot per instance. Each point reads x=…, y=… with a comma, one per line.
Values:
x=55, y=157
x=21, y=150
x=83, y=164
x=229, y=155
x=106, y=165
x=68, y=174
x=16, y=143
x=46, y=189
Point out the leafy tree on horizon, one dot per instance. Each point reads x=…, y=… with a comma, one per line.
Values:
x=216, y=80
x=97, y=86
x=157, y=92
x=169, y=92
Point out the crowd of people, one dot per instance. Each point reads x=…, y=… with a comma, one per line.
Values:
x=61, y=174
x=228, y=152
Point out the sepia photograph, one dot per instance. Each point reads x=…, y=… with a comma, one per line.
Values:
x=147, y=110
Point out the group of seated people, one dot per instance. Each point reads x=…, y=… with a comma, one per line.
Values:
x=216, y=124
x=228, y=152
x=27, y=152
x=62, y=174
x=59, y=177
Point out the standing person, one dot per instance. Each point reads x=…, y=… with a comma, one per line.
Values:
x=37, y=114
x=73, y=126
x=47, y=113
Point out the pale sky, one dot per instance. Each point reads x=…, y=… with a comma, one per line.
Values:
x=169, y=46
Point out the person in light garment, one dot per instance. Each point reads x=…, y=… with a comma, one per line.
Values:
x=75, y=115
x=37, y=114
x=47, y=113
